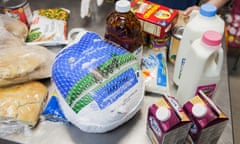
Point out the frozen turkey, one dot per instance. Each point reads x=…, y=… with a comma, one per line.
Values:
x=100, y=84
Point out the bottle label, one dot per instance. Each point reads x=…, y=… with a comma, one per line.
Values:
x=138, y=54
x=207, y=89
x=183, y=61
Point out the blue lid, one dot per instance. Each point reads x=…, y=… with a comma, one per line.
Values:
x=208, y=10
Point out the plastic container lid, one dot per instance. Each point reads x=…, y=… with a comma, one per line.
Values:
x=163, y=114
x=123, y=6
x=208, y=10
x=212, y=38
x=199, y=110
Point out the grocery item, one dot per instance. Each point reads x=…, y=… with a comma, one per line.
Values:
x=48, y=27
x=155, y=19
x=18, y=9
x=15, y=27
x=157, y=44
x=53, y=111
x=8, y=40
x=99, y=84
x=124, y=29
x=23, y=102
x=199, y=22
x=24, y=63
x=155, y=72
x=208, y=120
x=176, y=36
x=167, y=122
x=203, y=69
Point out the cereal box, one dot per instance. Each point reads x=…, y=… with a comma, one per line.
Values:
x=155, y=19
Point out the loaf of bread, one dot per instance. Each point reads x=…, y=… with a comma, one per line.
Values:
x=14, y=26
x=23, y=102
x=24, y=63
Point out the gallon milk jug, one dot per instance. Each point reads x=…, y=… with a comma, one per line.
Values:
x=203, y=67
x=200, y=21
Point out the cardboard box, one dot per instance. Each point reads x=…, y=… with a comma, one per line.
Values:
x=208, y=120
x=155, y=19
x=167, y=123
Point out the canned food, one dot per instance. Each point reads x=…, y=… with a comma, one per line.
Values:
x=157, y=43
x=177, y=33
x=19, y=9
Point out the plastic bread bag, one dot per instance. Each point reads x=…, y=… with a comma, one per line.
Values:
x=154, y=69
x=14, y=26
x=21, y=106
x=8, y=40
x=99, y=84
x=49, y=27
x=25, y=63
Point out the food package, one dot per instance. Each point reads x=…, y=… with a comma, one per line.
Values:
x=14, y=26
x=155, y=72
x=49, y=27
x=8, y=40
x=53, y=111
x=25, y=63
x=156, y=20
x=99, y=84
x=21, y=105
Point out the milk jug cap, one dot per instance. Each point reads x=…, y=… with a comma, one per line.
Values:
x=163, y=114
x=122, y=6
x=212, y=38
x=208, y=10
x=199, y=110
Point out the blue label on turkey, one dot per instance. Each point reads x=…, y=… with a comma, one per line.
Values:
x=94, y=70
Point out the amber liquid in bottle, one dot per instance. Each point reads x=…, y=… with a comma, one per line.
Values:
x=124, y=29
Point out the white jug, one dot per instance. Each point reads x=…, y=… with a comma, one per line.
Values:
x=203, y=67
x=200, y=21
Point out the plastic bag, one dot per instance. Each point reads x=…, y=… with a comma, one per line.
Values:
x=25, y=63
x=53, y=111
x=14, y=26
x=49, y=27
x=8, y=40
x=21, y=105
x=155, y=73
x=99, y=84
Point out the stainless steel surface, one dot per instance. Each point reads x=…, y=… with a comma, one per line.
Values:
x=134, y=131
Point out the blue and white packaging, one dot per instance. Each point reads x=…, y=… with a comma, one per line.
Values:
x=99, y=84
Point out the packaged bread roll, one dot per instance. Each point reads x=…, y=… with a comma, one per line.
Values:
x=23, y=102
x=24, y=63
x=14, y=26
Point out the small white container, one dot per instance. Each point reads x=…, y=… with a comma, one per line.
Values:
x=200, y=21
x=203, y=68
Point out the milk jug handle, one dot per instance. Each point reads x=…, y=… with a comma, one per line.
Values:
x=220, y=60
x=193, y=14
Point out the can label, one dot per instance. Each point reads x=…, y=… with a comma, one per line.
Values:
x=176, y=37
x=21, y=12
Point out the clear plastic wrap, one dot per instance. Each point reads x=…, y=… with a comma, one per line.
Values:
x=155, y=72
x=21, y=105
x=24, y=63
x=8, y=40
x=14, y=26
